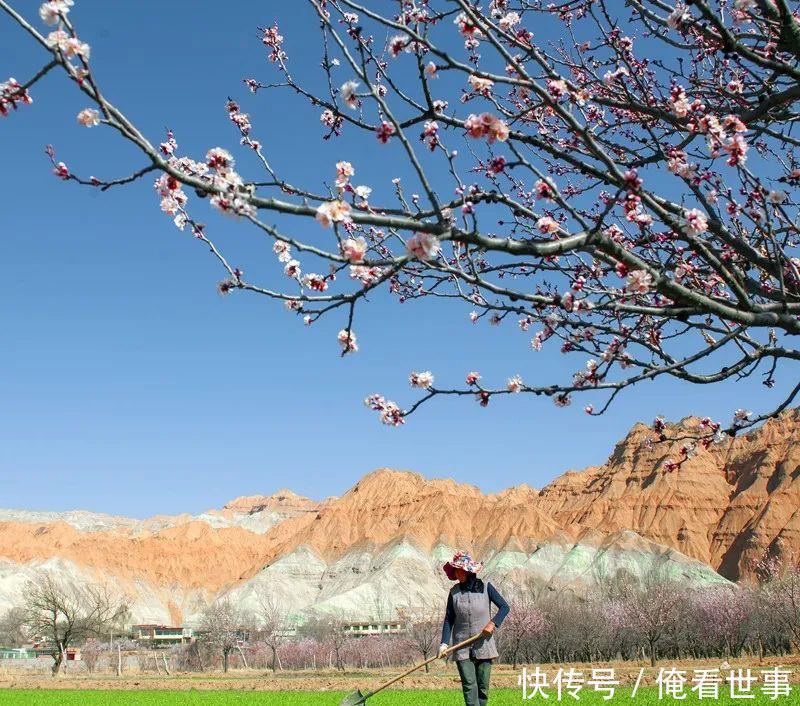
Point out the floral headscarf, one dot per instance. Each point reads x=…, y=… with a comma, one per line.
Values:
x=462, y=560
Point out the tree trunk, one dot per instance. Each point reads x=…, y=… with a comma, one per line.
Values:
x=244, y=659
x=225, y=661
x=274, y=657
x=58, y=660
x=119, y=660
x=652, y=654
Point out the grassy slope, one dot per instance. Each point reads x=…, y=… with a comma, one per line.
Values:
x=499, y=697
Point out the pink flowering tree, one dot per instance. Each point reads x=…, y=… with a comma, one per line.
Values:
x=615, y=179
x=722, y=617
x=652, y=608
x=780, y=592
x=525, y=623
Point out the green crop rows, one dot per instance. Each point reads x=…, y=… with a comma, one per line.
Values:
x=499, y=697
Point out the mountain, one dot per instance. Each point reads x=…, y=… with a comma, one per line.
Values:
x=381, y=544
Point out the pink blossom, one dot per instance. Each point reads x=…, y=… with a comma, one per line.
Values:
x=333, y=212
x=238, y=118
x=481, y=85
x=344, y=170
x=398, y=44
x=316, y=282
x=680, y=102
x=385, y=131
x=89, y=117
x=354, y=249
x=735, y=85
x=347, y=340
x=639, y=282
x=546, y=224
x=12, y=93
x=173, y=198
x=363, y=192
x=423, y=380
x=52, y=11
x=423, y=246
x=390, y=413
x=562, y=400
x=486, y=125
x=741, y=417
x=557, y=88
x=610, y=77
x=67, y=45
x=348, y=93
x=542, y=190
x=283, y=250
x=473, y=377
x=273, y=39
x=219, y=159
x=327, y=118
x=514, y=384
x=430, y=133
x=696, y=221
x=366, y=275
x=466, y=26
x=431, y=71
x=292, y=269
x=61, y=171
x=508, y=21
x=736, y=147
x=169, y=146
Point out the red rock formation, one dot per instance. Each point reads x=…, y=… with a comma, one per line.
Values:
x=725, y=507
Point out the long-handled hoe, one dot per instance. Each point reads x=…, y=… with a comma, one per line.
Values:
x=357, y=698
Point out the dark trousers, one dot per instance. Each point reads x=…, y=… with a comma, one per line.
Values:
x=474, y=675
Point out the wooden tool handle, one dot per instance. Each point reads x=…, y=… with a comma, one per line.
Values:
x=448, y=651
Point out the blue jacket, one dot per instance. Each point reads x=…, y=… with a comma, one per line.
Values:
x=474, y=584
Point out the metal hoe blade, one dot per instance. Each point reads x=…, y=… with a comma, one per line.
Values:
x=355, y=699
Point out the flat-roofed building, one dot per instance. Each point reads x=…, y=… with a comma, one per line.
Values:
x=162, y=635
x=375, y=627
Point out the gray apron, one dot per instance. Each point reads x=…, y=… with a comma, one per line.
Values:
x=472, y=612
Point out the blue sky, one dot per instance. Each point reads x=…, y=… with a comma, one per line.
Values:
x=130, y=386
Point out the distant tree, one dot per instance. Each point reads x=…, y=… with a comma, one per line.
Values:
x=524, y=623
x=65, y=615
x=273, y=625
x=91, y=652
x=423, y=624
x=651, y=609
x=723, y=617
x=781, y=591
x=223, y=626
x=329, y=631
x=12, y=628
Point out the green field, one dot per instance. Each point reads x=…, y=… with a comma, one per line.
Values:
x=499, y=697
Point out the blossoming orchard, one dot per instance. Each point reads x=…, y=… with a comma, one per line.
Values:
x=616, y=180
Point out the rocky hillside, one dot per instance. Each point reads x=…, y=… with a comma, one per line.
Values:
x=381, y=544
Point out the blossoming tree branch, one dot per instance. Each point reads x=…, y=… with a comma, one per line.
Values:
x=616, y=181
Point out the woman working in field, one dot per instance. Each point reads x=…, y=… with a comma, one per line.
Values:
x=469, y=612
